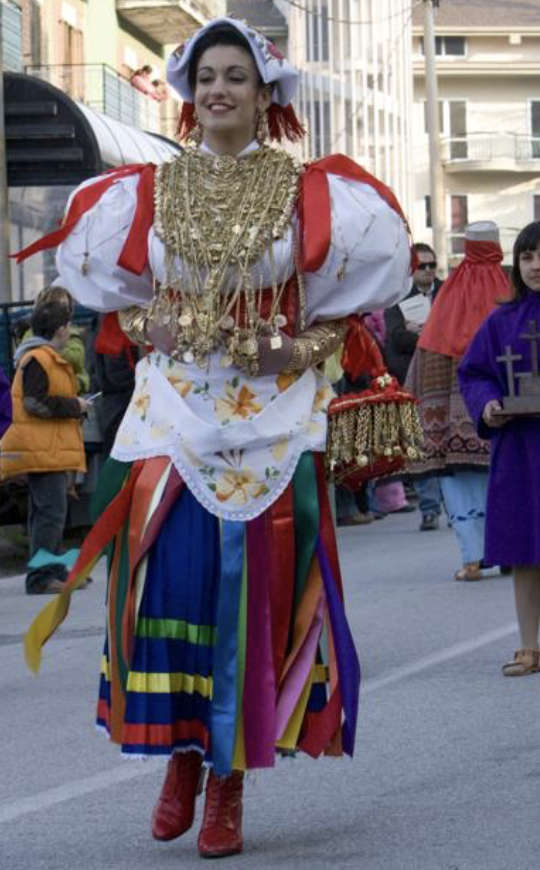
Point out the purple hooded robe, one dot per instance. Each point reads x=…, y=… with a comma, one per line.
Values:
x=513, y=505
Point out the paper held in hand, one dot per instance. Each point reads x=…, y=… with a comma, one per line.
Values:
x=416, y=308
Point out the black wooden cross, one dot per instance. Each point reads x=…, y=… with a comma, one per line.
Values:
x=508, y=359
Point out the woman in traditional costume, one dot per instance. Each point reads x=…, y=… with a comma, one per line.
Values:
x=510, y=337
x=226, y=633
x=452, y=448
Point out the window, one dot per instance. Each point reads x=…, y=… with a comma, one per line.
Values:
x=535, y=128
x=457, y=111
x=452, y=46
x=452, y=123
x=427, y=206
x=448, y=46
x=459, y=218
x=11, y=34
x=317, y=33
x=321, y=134
x=71, y=42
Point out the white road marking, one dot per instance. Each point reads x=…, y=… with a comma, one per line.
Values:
x=126, y=771
x=437, y=658
x=78, y=787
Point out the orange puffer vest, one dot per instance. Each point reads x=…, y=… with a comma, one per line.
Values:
x=38, y=444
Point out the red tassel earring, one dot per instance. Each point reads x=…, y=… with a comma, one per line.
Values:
x=283, y=123
x=188, y=125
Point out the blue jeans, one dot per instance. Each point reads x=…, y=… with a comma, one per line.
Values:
x=428, y=491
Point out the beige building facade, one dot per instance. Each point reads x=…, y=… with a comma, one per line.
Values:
x=488, y=72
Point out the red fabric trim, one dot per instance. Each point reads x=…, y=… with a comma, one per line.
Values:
x=165, y=735
x=465, y=300
x=82, y=202
x=134, y=254
x=314, y=206
x=320, y=728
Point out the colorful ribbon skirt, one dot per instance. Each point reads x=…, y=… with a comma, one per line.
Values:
x=225, y=637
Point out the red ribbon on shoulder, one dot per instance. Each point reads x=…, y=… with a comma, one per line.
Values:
x=314, y=206
x=134, y=254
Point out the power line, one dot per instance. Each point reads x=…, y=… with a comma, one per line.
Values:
x=297, y=5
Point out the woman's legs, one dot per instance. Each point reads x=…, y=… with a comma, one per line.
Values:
x=465, y=494
x=527, y=595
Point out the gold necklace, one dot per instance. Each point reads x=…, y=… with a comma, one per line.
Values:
x=217, y=217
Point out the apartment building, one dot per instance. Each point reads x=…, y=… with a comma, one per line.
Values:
x=90, y=49
x=355, y=93
x=488, y=71
x=265, y=16
x=73, y=109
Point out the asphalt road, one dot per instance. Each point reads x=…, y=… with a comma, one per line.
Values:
x=446, y=774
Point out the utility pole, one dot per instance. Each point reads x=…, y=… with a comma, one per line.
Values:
x=5, y=263
x=436, y=177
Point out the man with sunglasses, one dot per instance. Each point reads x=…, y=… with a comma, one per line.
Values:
x=404, y=324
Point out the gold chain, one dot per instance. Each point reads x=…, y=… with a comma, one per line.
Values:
x=217, y=216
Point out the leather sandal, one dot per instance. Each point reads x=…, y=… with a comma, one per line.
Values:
x=525, y=661
x=470, y=571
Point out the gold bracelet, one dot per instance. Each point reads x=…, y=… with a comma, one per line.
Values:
x=316, y=344
x=133, y=321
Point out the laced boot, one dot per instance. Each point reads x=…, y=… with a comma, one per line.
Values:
x=221, y=832
x=175, y=807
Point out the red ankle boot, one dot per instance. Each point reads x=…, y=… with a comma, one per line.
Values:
x=221, y=832
x=175, y=808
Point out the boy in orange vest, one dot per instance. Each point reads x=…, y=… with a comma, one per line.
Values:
x=45, y=439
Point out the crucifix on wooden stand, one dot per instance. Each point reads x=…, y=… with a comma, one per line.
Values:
x=508, y=358
x=527, y=402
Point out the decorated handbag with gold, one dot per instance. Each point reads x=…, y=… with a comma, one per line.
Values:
x=372, y=433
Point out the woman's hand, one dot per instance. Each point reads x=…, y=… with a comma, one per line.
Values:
x=492, y=416
x=159, y=337
x=272, y=360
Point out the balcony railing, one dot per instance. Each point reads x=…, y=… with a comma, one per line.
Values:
x=102, y=88
x=490, y=148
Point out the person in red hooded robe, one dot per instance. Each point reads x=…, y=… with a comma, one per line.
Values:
x=452, y=447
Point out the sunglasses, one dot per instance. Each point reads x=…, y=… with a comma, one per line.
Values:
x=431, y=265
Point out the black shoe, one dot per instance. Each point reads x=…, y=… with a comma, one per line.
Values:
x=49, y=587
x=47, y=580
x=430, y=522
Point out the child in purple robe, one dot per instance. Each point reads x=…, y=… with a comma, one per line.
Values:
x=513, y=505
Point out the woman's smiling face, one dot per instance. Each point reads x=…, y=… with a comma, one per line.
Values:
x=228, y=94
x=529, y=267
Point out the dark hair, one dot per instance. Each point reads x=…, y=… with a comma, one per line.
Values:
x=421, y=246
x=55, y=293
x=527, y=240
x=49, y=317
x=145, y=69
x=222, y=34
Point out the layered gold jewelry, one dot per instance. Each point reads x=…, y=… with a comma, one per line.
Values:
x=262, y=132
x=217, y=217
x=134, y=321
x=316, y=344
